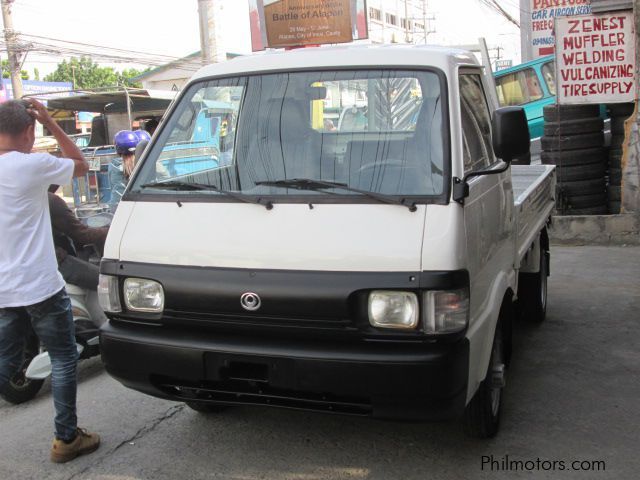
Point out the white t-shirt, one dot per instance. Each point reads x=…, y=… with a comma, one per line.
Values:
x=28, y=267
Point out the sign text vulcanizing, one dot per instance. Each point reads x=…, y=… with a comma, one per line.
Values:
x=595, y=59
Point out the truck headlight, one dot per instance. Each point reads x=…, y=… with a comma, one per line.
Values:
x=392, y=309
x=108, y=294
x=446, y=311
x=142, y=295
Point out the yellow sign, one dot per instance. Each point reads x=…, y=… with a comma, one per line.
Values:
x=307, y=22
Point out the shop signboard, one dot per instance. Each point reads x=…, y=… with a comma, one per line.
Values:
x=294, y=23
x=32, y=87
x=595, y=59
x=543, y=13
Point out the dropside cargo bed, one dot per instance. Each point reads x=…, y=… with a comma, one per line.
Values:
x=534, y=198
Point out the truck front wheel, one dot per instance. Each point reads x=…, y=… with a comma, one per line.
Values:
x=482, y=415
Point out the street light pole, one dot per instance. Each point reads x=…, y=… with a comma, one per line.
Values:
x=211, y=40
x=14, y=62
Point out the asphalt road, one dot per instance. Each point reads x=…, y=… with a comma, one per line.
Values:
x=573, y=394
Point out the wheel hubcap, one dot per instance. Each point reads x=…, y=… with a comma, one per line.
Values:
x=497, y=374
x=543, y=281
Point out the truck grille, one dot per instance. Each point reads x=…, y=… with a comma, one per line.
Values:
x=198, y=319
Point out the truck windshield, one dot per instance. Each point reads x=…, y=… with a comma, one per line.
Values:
x=378, y=131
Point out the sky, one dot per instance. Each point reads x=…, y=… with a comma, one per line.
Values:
x=170, y=27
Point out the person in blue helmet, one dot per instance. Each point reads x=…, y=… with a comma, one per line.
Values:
x=120, y=169
x=144, y=138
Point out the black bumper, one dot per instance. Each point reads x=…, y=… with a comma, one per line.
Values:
x=385, y=380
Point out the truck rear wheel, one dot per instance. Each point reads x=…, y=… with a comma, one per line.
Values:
x=482, y=415
x=532, y=287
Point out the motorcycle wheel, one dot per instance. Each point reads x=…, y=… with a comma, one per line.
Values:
x=20, y=388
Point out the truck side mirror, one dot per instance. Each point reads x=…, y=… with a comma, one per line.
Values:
x=510, y=133
x=510, y=138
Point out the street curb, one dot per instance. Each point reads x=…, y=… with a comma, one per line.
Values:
x=623, y=229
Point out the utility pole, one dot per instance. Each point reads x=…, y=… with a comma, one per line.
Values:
x=407, y=37
x=211, y=42
x=14, y=59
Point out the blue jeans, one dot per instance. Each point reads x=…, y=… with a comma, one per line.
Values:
x=52, y=321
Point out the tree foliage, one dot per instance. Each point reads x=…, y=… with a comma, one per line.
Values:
x=85, y=73
x=6, y=73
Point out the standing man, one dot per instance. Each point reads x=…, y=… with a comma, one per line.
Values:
x=31, y=288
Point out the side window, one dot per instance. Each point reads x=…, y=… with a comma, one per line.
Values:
x=476, y=124
x=549, y=75
x=519, y=88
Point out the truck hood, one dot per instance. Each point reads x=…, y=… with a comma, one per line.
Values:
x=327, y=237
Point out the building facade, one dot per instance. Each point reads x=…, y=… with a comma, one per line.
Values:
x=399, y=21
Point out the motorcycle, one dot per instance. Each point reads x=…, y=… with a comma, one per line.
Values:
x=87, y=319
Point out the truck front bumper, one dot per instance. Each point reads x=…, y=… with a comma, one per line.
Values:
x=418, y=381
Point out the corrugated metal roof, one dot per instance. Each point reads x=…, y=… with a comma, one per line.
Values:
x=599, y=6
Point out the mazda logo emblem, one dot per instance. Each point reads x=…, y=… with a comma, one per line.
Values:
x=250, y=301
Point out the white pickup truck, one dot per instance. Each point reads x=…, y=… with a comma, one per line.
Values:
x=358, y=248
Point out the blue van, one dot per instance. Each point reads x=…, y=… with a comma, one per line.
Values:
x=531, y=85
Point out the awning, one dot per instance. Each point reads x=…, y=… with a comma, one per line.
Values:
x=109, y=101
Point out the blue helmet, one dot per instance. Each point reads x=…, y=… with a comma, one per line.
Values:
x=125, y=141
x=142, y=135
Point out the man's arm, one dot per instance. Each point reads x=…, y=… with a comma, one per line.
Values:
x=67, y=146
x=64, y=221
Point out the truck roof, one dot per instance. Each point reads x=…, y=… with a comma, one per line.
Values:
x=343, y=56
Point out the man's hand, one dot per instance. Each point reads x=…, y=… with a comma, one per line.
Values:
x=39, y=112
x=67, y=146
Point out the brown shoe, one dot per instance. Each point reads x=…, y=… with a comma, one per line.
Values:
x=84, y=442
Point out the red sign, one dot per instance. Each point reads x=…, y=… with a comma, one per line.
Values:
x=595, y=60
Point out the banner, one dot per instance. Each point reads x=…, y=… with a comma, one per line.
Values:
x=543, y=14
x=595, y=60
x=32, y=87
x=294, y=23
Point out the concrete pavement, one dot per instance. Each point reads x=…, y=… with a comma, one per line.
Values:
x=573, y=394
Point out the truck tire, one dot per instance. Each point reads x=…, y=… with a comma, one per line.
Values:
x=581, y=187
x=614, y=193
x=601, y=210
x=617, y=125
x=573, y=127
x=482, y=415
x=562, y=113
x=586, y=201
x=581, y=172
x=567, y=158
x=614, y=207
x=206, y=407
x=615, y=176
x=616, y=142
x=621, y=109
x=21, y=389
x=532, y=287
x=572, y=142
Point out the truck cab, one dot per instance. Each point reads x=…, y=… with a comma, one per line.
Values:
x=363, y=267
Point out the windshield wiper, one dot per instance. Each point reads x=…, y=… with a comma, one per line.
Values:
x=179, y=185
x=320, y=185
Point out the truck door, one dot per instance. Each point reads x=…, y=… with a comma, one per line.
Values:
x=487, y=210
